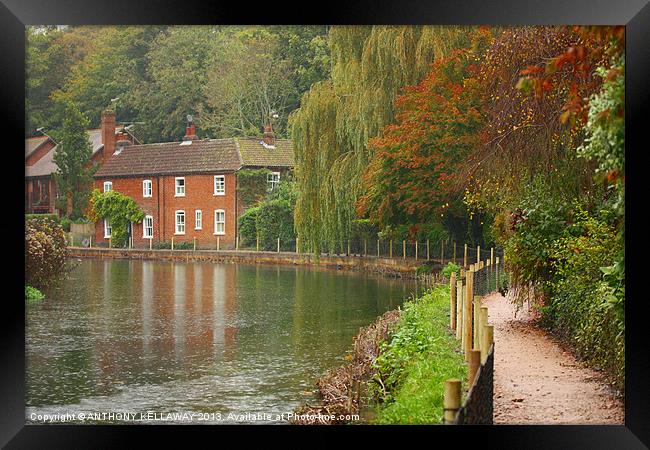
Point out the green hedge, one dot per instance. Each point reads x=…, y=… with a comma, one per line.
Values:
x=53, y=217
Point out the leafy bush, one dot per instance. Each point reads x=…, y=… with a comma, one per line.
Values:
x=33, y=294
x=45, y=252
x=271, y=219
x=451, y=268
x=52, y=217
x=581, y=307
x=65, y=224
x=248, y=226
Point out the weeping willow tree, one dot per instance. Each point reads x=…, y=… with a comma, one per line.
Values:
x=330, y=130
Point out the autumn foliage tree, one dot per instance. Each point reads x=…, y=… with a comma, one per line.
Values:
x=412, y=175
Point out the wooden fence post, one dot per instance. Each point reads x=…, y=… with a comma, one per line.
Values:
x=71, y=240
x=348, y=254
x=416, y=250
x=474, y=361
x=404, y=249
x=460, y=291
x=488, y=339
x=454, y=252
x=90, y=242
x=476, y=310
x=377, y=248
x=482, y=322
x=465, y=257
x=194, y=243
x=297, y=245
x=172, y=242
x=237, y=242
x=478, y=253
x=467, y=312
x=257, y=243
x=278, y=245
x=151, y=243
x=491, y=255
x=365, y=248
x=452, y=301
x=218, y=243
x=451, y=402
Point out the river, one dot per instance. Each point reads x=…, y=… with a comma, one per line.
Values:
x=131, y=341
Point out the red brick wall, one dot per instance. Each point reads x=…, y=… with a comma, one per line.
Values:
x=199, y=194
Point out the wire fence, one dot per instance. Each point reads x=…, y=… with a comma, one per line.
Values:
x=469, y=321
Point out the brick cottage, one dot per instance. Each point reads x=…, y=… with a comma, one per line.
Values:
x=187, y=189
x=40, y=187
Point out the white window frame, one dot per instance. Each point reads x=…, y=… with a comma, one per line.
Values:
x=223, y=191
x=108, y=186
x=272, y=184
x=108, y=231
x=145, y=227
x=198, y=219
x=147, y=188
x=177, y=214
x=176, y=186
x=216, y=222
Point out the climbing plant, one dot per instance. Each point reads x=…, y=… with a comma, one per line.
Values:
x=252, y=185
x=118, y=209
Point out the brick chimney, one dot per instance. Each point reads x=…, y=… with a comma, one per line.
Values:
x=268, y=136
x=108, y=134
x=190, y=130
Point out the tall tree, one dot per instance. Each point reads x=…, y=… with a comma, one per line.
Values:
x=72, y=157
x=370, y=65
x=411, y=178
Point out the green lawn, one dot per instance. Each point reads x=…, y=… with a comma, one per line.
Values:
x=414, y=365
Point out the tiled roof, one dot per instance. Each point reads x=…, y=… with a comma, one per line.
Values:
x=46, y=166
x=33, y=143
x=255, y=153
x=208, y=155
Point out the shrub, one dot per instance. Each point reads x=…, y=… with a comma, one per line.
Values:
x=451, y=268
x=45, y=252
x=33, y=294
x=65, y=224
x=248, y=226
x=52, y=217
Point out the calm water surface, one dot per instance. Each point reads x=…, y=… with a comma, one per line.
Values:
x=144, y=337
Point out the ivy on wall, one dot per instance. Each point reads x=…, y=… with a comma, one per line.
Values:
x=251, y=185
x=119, y=209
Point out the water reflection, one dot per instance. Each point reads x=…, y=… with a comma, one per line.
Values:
x=137, y=336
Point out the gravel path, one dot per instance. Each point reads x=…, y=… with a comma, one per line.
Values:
x=536, y=381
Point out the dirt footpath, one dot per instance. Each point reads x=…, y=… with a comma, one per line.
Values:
x=536, y=381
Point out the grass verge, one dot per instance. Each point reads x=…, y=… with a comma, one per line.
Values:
x=415, y=361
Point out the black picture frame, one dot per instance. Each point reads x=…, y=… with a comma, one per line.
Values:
x=15, y=14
